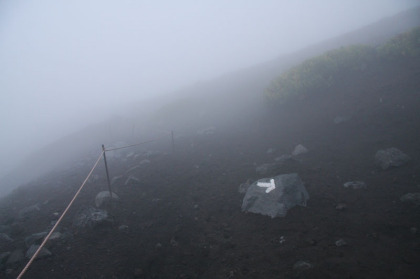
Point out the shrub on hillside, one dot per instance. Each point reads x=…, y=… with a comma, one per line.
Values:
x=319, y=73
x=405, y=45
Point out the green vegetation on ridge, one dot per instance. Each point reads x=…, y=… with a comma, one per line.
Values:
x=320, y=73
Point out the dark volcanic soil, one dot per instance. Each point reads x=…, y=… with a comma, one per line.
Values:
x=184, y=218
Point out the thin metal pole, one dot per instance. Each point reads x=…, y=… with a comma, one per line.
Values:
x=107, y=173
x=173, y=141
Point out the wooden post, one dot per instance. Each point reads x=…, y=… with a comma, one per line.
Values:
x=107, y=173
x=173, y=141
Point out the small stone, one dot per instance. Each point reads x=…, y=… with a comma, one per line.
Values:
x=299, y=149
x=158, y=245
x=302, y=265
x=5, y=237
x=391, y=157
x=104, y=197
x=355, y=184
x=282, y=239
x=28, y=211
x=341, y=242
x=123, y=228
x=341, y=206
x=173, y=242
x=35, y=238
x=413, y=230
x=56, y=235
x=42, y=254
x=413, y=198
x=132, y=180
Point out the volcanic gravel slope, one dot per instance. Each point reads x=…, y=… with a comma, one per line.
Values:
x=184, y=220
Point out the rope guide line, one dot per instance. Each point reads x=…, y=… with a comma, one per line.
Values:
x=72, y=201
x=117, y=148
x=59, y=220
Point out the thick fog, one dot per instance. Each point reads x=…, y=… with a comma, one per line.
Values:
x=67, y=64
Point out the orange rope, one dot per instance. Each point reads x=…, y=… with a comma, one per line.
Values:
x=59, y=220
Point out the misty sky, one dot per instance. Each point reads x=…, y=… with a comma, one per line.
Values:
x=64, y=63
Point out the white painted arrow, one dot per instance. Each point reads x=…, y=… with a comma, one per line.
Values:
x=269, y=185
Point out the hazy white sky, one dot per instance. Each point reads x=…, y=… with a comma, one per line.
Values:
x=62, y=63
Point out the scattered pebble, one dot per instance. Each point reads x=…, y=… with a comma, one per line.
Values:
x=413, y=198
x=282, y=239
x=123, y=228
x=341, y=206
x=341, y=242
x=299, y=149
x=355, y=184
x=302, y=265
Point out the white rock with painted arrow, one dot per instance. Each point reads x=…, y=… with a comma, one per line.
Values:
x=269, y=185
x=275, y=196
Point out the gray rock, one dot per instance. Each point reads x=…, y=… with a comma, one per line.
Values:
x=42, y=254
x=244, y=187
x=4, y=256
x=56, y=235
x=152, y=153
x=413, y=198
x=341, y=242
x=27, y=211
x=289, y=191
x=132, y=169
x=116, y=179
x=15, y=257
x=391, y=157
x=132, y=180
x=5, y=237
x=90, y=217
x=123, y=228
x=35, y=238
x=302, y=265
x=355, y=184
x=265, y=168
x=104, y=197
x=283, y=158
x=299, y=149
